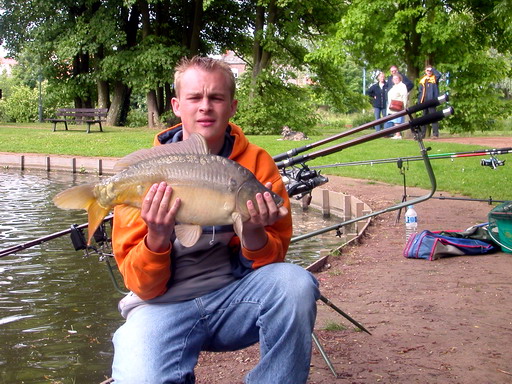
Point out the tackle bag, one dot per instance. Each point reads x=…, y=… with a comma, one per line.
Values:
x=432, y=246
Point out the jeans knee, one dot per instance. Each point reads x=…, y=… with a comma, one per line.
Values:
x=296, y=285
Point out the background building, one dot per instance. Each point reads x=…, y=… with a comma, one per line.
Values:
x=6, y=65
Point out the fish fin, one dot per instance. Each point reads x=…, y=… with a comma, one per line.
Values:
x=238, y=225
x=95, y=214
x=194, y=145
x=79, y=197
x=82, y=197
x=188, y=234
x=129, y=213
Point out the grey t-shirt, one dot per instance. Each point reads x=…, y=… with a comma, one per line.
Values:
x=196, y=270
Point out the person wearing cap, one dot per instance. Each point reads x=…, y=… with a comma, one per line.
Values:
x=429, y=89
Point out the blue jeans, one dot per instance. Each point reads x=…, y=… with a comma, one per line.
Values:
x=275, y=305
x=397, y=120
x=378, y=113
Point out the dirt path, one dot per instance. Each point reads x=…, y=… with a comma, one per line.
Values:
x=444, y=321
x=489, y=142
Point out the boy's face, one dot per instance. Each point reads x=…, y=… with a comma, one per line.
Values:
x=204, y=105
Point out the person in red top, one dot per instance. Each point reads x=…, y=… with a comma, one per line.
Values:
x=216, y=295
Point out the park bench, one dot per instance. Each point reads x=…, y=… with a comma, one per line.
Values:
x=79, y=116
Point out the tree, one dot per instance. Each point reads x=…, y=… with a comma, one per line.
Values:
x=282, y=33
x=456, y=37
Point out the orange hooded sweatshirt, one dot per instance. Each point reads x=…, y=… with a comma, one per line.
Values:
x=147, y=273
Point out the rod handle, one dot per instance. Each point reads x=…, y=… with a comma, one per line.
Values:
x=291, y=161
x=431, y=117
x=292, y=152
x=428, y=104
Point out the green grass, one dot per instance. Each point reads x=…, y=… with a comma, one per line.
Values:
x=39, y=138
x=463, y=176
x=334, y=326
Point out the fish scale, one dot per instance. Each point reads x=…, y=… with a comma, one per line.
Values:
x=180, y=169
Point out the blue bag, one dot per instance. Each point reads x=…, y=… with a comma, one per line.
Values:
x=432, y=246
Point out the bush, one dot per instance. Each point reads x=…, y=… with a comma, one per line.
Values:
x=137, y=118
x=362, y=118
x=21, y=106
x=272, y=104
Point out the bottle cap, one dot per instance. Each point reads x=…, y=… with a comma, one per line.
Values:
x=410, y=206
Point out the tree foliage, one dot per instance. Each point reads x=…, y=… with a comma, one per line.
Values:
x=457, y=37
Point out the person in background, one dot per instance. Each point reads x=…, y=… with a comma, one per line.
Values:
x=397, y=92
x=379, y=92
x=428, y=89
x=394, y=71
x=224, y=293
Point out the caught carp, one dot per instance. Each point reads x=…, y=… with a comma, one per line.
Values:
x=213, y=190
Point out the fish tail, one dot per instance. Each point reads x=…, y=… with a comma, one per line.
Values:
x=79, y=197
x=95, y=214
x=82, y=197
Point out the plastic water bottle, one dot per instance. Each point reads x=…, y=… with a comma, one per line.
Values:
x=411, y=222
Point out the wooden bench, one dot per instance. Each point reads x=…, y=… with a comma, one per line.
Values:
x=79, y=116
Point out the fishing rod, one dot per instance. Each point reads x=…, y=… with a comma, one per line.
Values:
x=74, y=231
x=300, y=181
x=493, y=162
x=103, y=246
x=408, y=111
x=490, y=200
x=417, y=122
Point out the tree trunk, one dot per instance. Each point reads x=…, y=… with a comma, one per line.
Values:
x=153, y=114
x=257, y=48
x=102, y=86
x=160, y=99
x=151, y=96
x=169, y=94
x=261, y=56
x=197, y=23
x=116, y=111
x=103, y=94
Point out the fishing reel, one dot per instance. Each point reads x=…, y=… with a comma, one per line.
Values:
x=103, y=248
x=103, y=242
x=301, y=181
x=492, y=162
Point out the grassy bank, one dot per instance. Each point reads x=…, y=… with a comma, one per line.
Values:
x=461, y=176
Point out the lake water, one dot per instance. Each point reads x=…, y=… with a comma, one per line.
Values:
x=58, y=309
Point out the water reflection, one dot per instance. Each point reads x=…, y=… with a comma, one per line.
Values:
x=58, y=309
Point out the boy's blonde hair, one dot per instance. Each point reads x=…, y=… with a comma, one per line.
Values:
x=206, y=64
